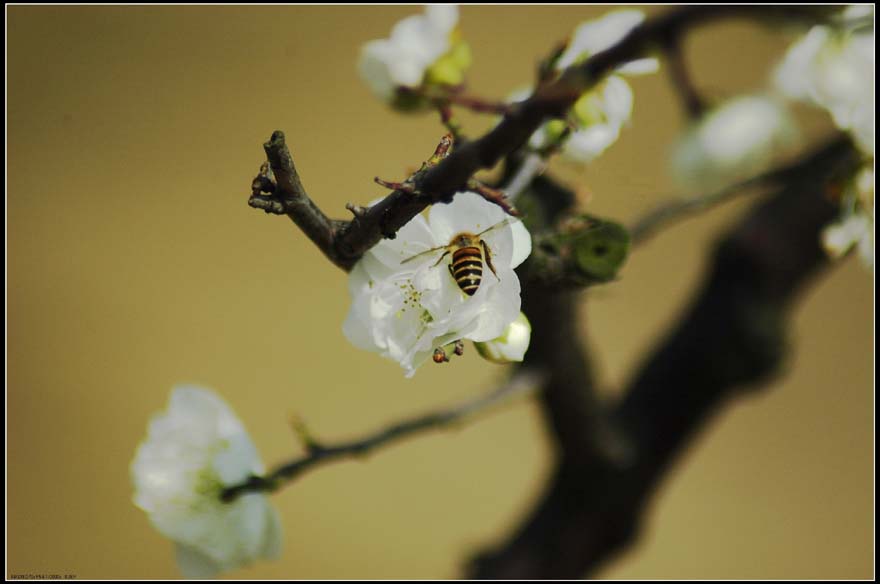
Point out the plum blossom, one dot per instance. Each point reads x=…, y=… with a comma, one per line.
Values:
x=855, y=227
x=423, y=49
x=599, y=114
x=405, y=301
x=737, y=138
x=833, y=67
x=510, y=347
x=193, y=450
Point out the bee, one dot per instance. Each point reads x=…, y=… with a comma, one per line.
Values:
x=468, y=251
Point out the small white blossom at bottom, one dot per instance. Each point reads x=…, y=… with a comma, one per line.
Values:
x=192, y=452
x=404, y=306
x=735, y=139
x=510, y=347
x=856, y=227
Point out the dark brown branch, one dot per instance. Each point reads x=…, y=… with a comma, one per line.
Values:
x=678, y=209
x=288, y=197
x=731, y=338
x=690, y=97
x=345, y=243
x=521, y=383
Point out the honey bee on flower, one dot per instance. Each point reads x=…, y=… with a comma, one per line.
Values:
x=405, y=305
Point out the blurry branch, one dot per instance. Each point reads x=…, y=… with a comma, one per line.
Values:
x=532, y=165
x=730, y=339
x=345, y=242
x=523, y=382
x=679, y=209
x=693, y=103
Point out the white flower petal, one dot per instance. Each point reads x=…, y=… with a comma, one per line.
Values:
x=511, y=346
x=789, y=74
x=415, y=43
x=443, y=17
x=195, y=565
x=617, y=100
x=834, y=69
x=193, y=450
x=839, y=238
x=404, y=311
x=522, y=244
x=585, y=145
x=597, y=35
x=639, y=67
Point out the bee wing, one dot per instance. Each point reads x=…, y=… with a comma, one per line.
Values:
x=498, y=225
x=424, y=253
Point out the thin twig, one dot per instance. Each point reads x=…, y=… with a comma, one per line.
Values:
x=289, y=197
x=523, y=382
x=678, y=209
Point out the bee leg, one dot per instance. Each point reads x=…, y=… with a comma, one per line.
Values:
x=459, y=348
x=440, y=356
x=437, y=263
x=489, y=259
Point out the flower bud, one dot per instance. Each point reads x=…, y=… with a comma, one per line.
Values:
x=511, y=346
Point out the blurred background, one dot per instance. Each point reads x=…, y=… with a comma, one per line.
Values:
x=134, y=264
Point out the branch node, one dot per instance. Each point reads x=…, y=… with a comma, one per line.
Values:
x=406, y=186
x=268, y=203
x=356, y=210
x=304, y=435
x=493, y=196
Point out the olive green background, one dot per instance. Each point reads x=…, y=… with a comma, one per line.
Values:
x=134, y=263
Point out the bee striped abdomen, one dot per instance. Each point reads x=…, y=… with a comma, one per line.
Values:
x=467, y=268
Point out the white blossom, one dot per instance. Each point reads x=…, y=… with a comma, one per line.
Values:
x=599, y=114
x=192, y=452
x=406, y=309
x=737, y=138
x=833, y=67
x=511, y=346
x=855, y=228
x=420, y=46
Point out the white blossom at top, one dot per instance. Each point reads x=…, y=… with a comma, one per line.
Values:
x=833, y=68
x=735, y=139
x=855, y=228
x=595, y=36
x=406, y=310
x=417, y=43
x=602, y=112
x=192, y=451
x=510, y=347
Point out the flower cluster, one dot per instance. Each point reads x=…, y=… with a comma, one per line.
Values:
x=832, y=67
x=405, y=300
x=423, y=50
x=192, y=452
x=599, y=114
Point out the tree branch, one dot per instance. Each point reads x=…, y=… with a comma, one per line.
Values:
x=345, y=242
x=521, y=383
x=690, y=97
x=731, y=338
x=676, y=210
